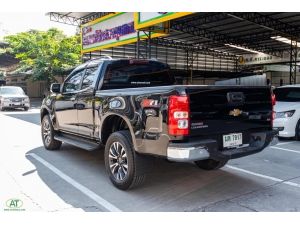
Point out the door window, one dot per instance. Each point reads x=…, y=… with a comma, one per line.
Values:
x=73, y=82
x=89, y=77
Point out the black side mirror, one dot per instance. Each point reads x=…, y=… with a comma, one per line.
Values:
x=55, y=88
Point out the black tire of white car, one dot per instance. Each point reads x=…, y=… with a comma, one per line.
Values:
x=211, y=164
x=297, y=131
x=126, y=169
x=47, y=132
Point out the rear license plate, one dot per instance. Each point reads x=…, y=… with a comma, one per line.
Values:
x=232, y=140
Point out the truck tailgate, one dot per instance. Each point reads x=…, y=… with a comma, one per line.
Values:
x=223, y=110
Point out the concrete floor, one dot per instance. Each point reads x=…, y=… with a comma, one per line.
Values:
x=72, y=179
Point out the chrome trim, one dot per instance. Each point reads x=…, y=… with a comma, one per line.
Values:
x=187, y=154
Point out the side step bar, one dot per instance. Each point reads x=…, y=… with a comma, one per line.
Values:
x=77, y=141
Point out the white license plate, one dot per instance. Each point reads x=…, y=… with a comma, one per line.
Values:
x=232, y=140
x=16, y=103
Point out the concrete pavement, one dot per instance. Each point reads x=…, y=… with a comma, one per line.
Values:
x=72, y=179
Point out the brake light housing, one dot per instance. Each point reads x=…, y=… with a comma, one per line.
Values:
x=179, y=115
x=273, y=100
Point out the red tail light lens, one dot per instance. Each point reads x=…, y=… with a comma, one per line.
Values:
x=179, y=115
x=273, y=100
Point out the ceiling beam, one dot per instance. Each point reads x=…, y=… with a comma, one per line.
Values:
x=185, y=27
x=268, y=22
x=200, y=49
x=65, y=19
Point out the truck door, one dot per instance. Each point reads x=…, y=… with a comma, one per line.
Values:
x=65, y=103
x=85, y=102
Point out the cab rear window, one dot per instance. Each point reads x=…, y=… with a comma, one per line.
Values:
x=134, y=73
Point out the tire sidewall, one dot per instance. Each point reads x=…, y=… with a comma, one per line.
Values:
x=46, y=117
x=124, y=140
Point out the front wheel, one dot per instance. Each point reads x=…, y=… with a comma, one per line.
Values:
x=26, y=108
x=48, y=133
x=211, y=164
x=122, y=164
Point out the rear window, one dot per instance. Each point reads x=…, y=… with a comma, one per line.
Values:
x=287, y=94
x=133, y=73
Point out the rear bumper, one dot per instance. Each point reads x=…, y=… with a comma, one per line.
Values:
x=208, y=148
x=286, y=126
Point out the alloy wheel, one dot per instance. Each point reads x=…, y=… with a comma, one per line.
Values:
x=46, y=132
x=118, y=163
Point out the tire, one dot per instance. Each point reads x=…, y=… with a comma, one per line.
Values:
x=47, y=132
x=297, y=131
x=211, y=164
x=119, y=154
x=26, y=108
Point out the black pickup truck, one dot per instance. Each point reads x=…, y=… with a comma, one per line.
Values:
x=135, y=109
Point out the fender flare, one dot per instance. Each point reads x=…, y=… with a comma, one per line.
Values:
x=126, y=121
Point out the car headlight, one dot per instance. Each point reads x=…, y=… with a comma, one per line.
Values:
x=285, y=114
x=26, y=99
x=5, y=99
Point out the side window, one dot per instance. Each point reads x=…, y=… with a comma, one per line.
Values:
x=89, y=77
x=73, y=82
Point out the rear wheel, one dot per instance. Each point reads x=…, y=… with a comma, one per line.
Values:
x=126, y=169
x=48, y=133
x=211, y=164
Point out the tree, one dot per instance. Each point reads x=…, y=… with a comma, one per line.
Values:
x=46, y=53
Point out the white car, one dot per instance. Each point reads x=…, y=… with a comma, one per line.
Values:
x=287, y=111
x=13, y=97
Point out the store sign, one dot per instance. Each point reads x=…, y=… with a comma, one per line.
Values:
x=110, y=31
x=261, y=58
x=148, y=19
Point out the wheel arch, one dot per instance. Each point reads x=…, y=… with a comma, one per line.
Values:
x=44, y=111
x=115, y=122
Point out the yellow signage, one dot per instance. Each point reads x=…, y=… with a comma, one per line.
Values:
x=148, y=19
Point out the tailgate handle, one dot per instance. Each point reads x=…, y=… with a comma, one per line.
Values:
x=235, y=97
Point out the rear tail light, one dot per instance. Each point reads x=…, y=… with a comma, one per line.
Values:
x=273, y=100
x=179, y=115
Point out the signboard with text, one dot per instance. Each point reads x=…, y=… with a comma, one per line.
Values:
x=110, y=31
x=261, y=58
x=147, y=19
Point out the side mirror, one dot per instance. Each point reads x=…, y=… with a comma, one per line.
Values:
x=55, y=88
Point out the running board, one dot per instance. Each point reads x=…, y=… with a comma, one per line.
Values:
x=77, y=141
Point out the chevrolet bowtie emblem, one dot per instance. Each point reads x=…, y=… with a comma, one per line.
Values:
x=235, y=112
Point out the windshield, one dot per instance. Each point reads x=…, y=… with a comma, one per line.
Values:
x=11, y=91
x=287, y=94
